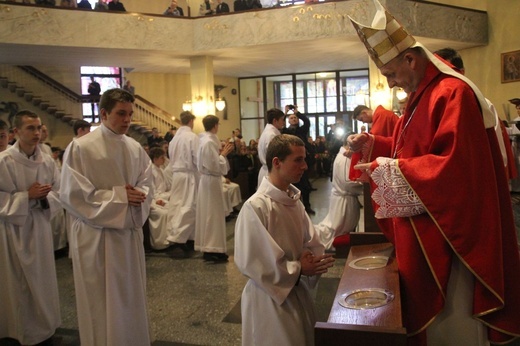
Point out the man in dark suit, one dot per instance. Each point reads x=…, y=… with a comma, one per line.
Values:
x=222, y=7
x=239, y=5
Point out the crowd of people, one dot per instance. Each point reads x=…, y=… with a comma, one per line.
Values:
x=206, y=8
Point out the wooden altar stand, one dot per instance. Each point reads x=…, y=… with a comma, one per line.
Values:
x=381, y=326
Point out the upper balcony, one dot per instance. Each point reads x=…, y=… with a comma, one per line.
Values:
x=301, y=38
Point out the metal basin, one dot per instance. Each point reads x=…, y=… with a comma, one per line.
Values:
x=367, y=298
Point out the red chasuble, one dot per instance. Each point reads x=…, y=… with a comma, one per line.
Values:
x=454, y=166
x=383, y=122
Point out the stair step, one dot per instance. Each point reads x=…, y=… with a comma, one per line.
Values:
x=36, y=101
x=20, y=91
x=11, y=86
x=28, y=96
x=44, y=105
x=67, y=118
x=51, y=109
x=59, y=114
x=4, y=82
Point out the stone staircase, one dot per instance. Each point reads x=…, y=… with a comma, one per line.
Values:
x=35, y=100
x=29, y=84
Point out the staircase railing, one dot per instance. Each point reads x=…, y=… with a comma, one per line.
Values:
x=148, y=115
x=37, y=87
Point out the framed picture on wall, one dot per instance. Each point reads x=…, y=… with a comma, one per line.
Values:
x=510, y=66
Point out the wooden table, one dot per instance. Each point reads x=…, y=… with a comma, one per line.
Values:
x=365, y=327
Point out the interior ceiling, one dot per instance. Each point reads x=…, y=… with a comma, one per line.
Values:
x=294, y=57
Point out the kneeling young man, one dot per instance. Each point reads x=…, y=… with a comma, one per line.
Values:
x=277, y=248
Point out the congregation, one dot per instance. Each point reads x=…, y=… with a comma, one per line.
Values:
x=207, y=7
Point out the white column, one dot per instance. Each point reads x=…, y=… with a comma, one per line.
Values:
x=202, y=86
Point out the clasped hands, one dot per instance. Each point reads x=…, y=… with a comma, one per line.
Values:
x=313, y=265
x=135, y=197
x=39, y=191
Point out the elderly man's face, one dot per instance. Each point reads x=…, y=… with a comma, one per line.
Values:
x=293, y=119
x=400, y=72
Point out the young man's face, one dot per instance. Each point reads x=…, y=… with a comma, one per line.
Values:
x=291, y=169
x=30, y=132
x=4, y=139
x=118, y=120
x=365, y=116
x=159, y=161
x=279, y=123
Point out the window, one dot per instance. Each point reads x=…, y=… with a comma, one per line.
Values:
x=107, y=77
x=322, y=96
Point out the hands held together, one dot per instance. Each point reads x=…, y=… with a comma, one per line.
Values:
x=39, y=191
x=135, y=197
x=312, y=265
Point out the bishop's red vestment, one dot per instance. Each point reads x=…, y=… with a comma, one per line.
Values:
x=450, y=198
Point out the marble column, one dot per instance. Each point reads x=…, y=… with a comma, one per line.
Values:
x=202, y=86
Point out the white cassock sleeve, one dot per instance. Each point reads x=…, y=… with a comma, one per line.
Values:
x=14, y=207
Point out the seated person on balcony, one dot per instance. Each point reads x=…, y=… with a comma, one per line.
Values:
x=116, y=5
x=239, y=5
x=174, y=10
x=205, y=9
x=68, y=3
x=158, y=218
x=101, y=5
x=84, y=4
x=252, y=4
x=45, y=2
x=222, y=7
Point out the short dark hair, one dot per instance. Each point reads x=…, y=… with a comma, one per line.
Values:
x=3, y=125
x=156, y=153
x=18, y=118
x=111, y=97
x=186, y=117
x=209, y=122
x=358, y=110
x=274, y=114
x=280, y=147
x=80, y=124
x=452, y=56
